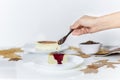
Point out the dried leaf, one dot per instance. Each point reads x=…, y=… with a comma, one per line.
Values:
x=75, y=49
x=90, y=70
x=107, y=63
x=118, y=60
x=93, y=68
x=110, y=65
x=10, y=53
x=14, y=59
x=102, y=52
x=79, y=53
x=102, y=61
x=83, y=55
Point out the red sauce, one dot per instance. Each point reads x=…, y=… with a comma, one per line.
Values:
x=58, y=57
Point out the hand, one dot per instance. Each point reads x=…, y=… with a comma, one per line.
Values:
x=87, y=23
x=91, y=24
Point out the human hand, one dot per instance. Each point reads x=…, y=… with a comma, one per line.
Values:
x=89, y=24
x=84, y=25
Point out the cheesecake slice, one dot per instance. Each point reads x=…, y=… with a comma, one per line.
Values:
x=57, y=58
x=47, y=46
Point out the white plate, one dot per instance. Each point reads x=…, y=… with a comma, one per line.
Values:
x=30, y=48
x=42, y=63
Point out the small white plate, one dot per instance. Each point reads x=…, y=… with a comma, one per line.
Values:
x=73, y=62
x=30, y=48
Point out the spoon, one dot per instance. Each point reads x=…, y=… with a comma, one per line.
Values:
x=112, y=52
x=62, y=40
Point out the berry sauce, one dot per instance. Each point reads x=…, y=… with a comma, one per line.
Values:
x=58, y=57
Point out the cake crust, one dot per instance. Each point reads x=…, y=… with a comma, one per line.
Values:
x=47, y=42
x=47, y=45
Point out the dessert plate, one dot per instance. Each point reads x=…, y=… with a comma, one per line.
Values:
x=30, y=48
x=42, y=63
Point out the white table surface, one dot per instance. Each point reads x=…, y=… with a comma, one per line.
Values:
x=8, y=71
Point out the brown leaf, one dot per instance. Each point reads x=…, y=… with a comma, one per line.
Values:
x=83, y=55
x=10, y=53
x=14, y=59
x=75, y=49
x=93, y=68
x=79, y=52
x=107, y=63
x=90, y=70
x=102, y=52
x=102, y=61
x=110, y=65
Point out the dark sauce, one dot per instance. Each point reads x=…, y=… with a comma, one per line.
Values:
x=90, y=42
x=58, y=57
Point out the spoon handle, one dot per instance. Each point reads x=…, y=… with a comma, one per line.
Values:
x=70, y=32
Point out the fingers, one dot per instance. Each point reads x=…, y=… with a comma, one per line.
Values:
x=83, y=21
x=84, y=25
x=75, y=25
x=80, y=31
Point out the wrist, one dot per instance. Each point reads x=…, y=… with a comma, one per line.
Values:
x=109, y=21
x=104, y=23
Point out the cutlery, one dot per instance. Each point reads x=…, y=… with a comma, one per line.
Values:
x=112, y=52
x=62, y=40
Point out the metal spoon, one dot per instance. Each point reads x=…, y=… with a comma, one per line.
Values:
x=62, y=40
x=112, y=52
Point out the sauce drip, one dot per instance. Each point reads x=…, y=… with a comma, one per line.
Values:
x=58, y=57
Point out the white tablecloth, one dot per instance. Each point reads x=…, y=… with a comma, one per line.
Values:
x=16, y=70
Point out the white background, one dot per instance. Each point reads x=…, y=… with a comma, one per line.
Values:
x=23, y=21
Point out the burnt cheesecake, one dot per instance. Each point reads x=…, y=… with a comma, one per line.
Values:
x=57, y=58
x=47, y=46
